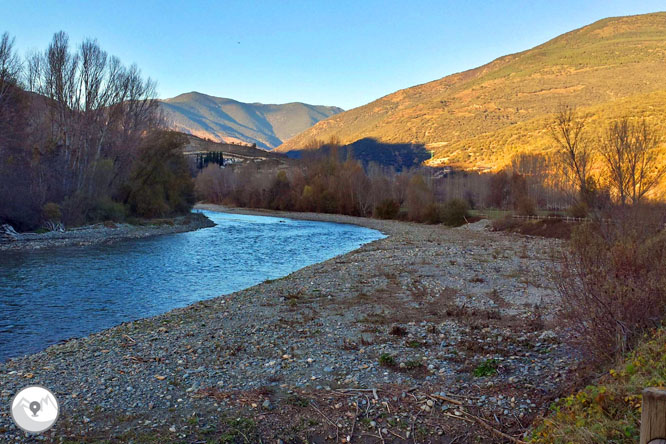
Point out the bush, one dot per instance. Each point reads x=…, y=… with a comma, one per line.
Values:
x=107, y=210
x=579, y=210
x=608, y=411
x=387, y=360
x=387, y=209
x=51, y=212
x=433, y=214
x=613, y=287
x=454, y=213
x=525, y=207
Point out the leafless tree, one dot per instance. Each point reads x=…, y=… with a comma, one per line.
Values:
x=97, y=108
x=567, y=131
x=10, y=65
x=632, y=163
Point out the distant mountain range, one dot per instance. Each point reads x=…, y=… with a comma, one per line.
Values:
x=480, y=118
x=227, y=120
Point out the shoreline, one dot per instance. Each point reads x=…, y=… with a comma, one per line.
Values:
x=406, y=317
x=102, y=234
x=366, y=222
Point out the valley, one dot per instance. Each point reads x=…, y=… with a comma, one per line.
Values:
x=415, y=335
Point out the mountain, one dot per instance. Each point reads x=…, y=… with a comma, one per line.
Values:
x=227, y=120
x=481, y=117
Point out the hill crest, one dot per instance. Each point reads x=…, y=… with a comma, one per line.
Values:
x=611, y=59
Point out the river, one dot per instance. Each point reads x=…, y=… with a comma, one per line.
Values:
x=52, y=295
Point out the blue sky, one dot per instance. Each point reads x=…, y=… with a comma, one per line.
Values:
x=335, y=52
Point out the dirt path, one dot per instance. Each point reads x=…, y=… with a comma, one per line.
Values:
x=407, y=339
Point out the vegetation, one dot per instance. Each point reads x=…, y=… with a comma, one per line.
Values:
x=387, y=360
x=160, y=183
x=481, y=118
x=80, y=140
x=486, y=368
x=612, y=283
x=610, y=409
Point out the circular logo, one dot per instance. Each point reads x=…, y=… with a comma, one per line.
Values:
x=35, y=409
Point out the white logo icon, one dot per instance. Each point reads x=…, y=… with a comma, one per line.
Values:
x=35, y=409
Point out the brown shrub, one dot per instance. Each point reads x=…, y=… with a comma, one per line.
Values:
x=613, y=287
x=387, y=209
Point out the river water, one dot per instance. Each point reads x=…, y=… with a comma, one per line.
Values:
x=51, y=295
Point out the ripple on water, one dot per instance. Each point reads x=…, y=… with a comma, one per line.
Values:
x=51, y=295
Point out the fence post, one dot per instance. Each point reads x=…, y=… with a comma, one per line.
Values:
x=653, y=417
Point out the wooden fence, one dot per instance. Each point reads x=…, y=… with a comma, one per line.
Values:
x=653, y=416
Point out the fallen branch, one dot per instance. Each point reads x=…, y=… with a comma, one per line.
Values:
x=337, y=429
x=446, y=399
x=493, y=430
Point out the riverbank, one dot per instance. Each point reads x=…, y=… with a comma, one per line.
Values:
x=431, y=334
x=104, y=233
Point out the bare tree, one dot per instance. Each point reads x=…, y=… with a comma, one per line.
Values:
x=632, y=162
x=567, y=131
x=97, y=108
x=10, y=65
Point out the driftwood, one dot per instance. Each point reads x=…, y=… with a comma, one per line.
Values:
x=55, y=226
x=8, y=232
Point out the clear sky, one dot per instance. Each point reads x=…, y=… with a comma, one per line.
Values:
x=332, y=52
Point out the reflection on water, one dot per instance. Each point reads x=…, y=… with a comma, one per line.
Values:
x=51, y=295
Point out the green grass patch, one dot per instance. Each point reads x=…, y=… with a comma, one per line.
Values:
x=486, y=368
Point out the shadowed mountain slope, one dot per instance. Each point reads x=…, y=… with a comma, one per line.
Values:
x=227, y=120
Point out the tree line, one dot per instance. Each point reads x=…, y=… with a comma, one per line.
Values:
x=80, y=130
x=335, y=182
x=582, y=174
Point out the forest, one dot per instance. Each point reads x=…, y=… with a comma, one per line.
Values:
x=81, y=140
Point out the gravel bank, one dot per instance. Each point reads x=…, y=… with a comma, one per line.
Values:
x=104, y=233
x=429, y=335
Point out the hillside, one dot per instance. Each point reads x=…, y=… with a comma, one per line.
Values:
x=480, y=117
x=240, y=153
x=227, y=120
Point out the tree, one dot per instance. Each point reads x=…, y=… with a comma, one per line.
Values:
x=160, y=184
x=567, y=131
x=633, y=166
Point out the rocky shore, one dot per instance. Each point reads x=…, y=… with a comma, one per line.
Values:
x=432, y=334
x=104, y=233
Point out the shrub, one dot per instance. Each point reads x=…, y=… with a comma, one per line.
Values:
x=433, y=214
x=386, y=360
x=609, y=410
x=107, y=210
x=387, y=209
x=454, y=213
x=486, y=368
x=398, y=330
x=613, y=287
x=525, y=207
x=51, y=212
x=579, y=210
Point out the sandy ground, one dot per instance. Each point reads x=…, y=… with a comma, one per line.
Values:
x=432, y=334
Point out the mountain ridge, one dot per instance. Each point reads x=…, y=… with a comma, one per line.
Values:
x=613, y=58
x=227, y=120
